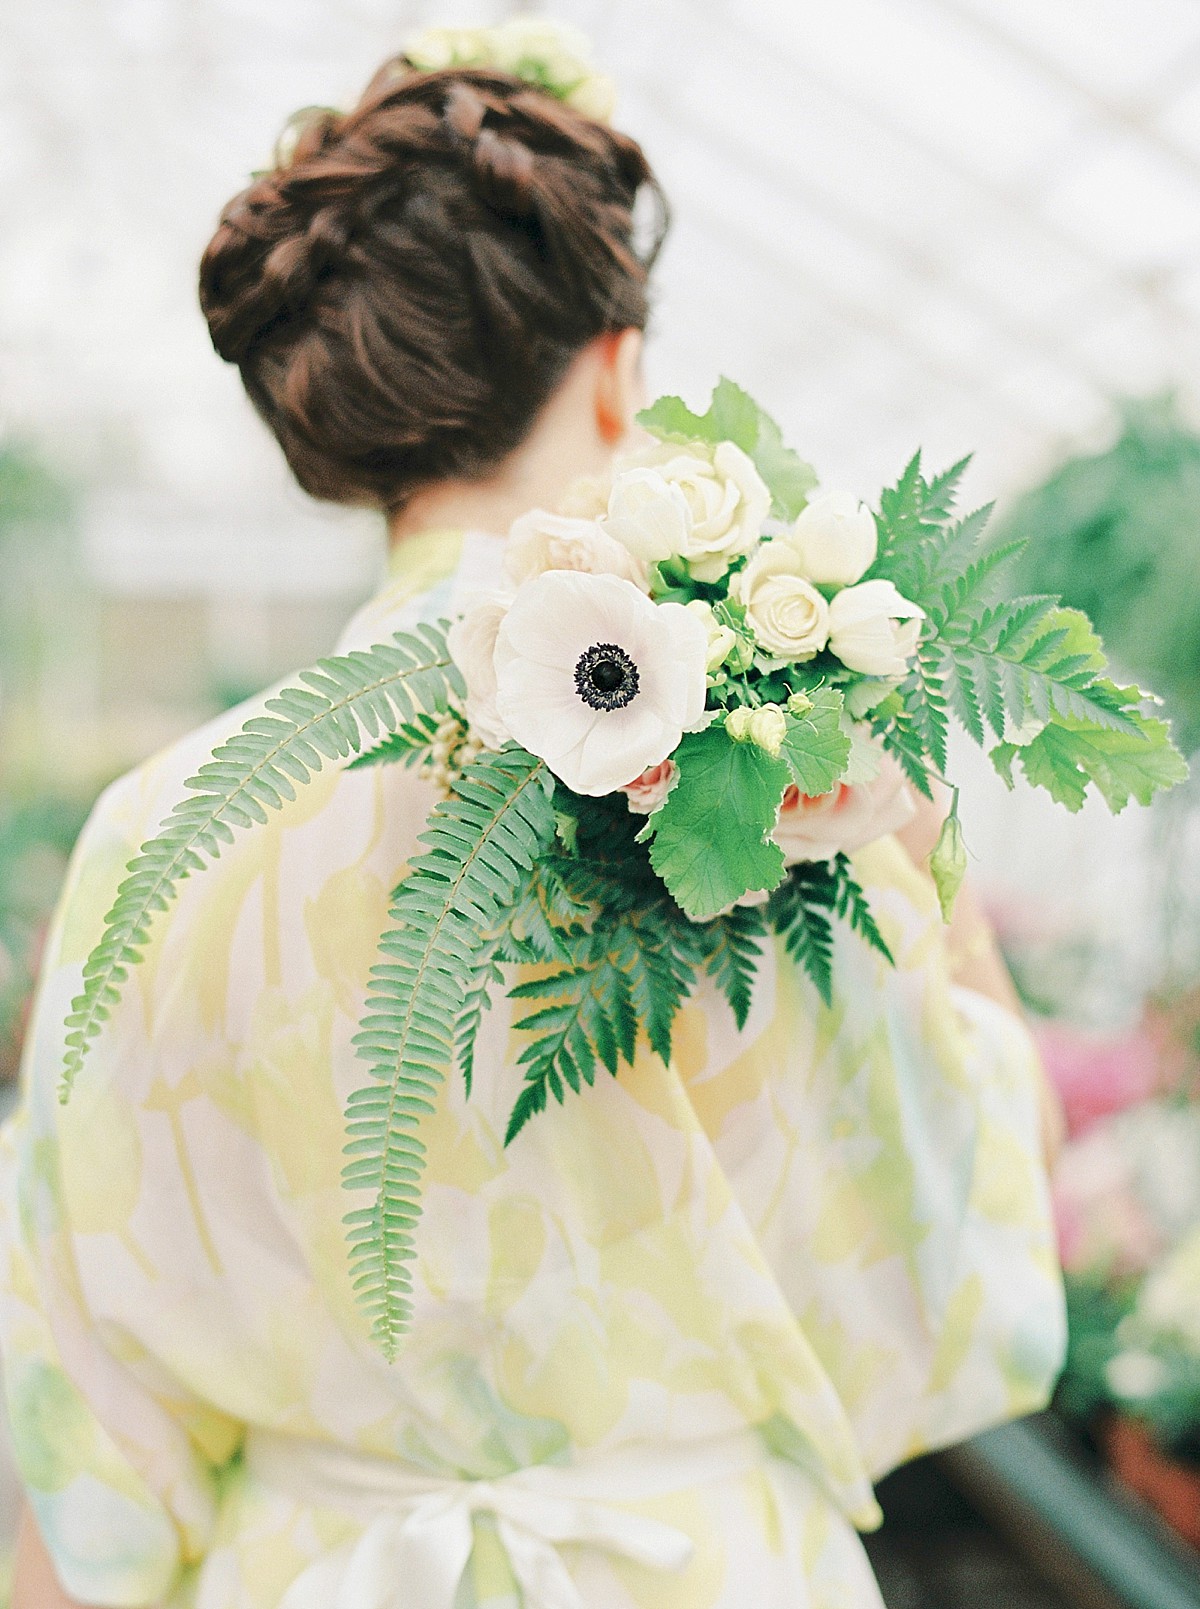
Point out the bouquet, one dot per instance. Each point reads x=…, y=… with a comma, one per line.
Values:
x=702, y=687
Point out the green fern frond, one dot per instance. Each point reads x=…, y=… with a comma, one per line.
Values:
x=344, y=700
x=405, y=746
x=592, y=1020
x=891, y=722
x=801, y=911
x=660, y=971
x=481, y=845
x=478, y=1000
x=853, y=907
x=731, y=952
x=926, y=703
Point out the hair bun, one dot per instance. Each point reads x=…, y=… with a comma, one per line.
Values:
x=403, y=292
x=503, y=167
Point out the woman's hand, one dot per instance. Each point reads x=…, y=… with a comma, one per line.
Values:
x=35, y=1585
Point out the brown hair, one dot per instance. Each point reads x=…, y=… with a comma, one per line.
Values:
x=404, y=294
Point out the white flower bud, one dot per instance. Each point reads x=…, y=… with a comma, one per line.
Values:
x=836, y=539
x=768, y=728
x=873, y=630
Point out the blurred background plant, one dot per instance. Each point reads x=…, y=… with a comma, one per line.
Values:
x=1117, y=532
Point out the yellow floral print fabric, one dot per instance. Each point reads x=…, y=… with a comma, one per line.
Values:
x=765, y=1273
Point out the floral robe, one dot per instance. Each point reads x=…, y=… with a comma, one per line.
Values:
x=662, y=1345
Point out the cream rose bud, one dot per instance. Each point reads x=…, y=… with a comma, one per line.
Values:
x=873, y=629
x=472, y=642
x=784, y=611
x=720, y=638
x=540, y=541
x=722, y=499
x=836, y=539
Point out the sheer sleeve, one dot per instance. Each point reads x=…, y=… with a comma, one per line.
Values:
x=118, y=1460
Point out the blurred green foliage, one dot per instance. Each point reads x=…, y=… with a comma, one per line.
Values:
x=35, y=843
x=38, y=821
x=1117, y=534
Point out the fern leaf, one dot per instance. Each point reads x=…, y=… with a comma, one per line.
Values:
x=481, y=845
x=592, y=1020
x=406, y=745
x=801, y=910
x=342, y=702
x=477, y=1000
x=731, y=954
x=925, y=701
x=852, y=906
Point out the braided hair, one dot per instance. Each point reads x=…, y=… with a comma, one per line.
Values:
x=404, y=292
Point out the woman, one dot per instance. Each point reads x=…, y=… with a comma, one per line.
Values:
x=662, y=1345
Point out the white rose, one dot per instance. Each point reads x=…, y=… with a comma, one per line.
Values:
x=836, y=539
x=539, y=541
x=472, y=641
x=649, y=515
x=786, y=613
x=437, y=48
x=562, y=54
x=844, y=819
x=713, y=514
x=594, y=96
x=874, y=630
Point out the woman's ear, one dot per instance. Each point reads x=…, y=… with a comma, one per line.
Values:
x=620, y=388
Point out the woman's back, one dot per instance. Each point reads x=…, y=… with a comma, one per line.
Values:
x=719, y=1295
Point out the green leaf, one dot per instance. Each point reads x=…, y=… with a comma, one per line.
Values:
x=711, y=837
x=815, y=747
x=480, y=848
x=1069, y=754
x=733, y=415
x=343, y=701
x=591, y=1020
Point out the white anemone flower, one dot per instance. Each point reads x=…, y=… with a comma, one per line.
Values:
x=597, y=680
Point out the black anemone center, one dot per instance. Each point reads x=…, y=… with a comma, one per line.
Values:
x=605, y=677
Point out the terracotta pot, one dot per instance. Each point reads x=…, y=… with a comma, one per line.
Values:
x=1166, y=1483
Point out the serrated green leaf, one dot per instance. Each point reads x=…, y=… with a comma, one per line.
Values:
x=733, y=415
x=1068, y=754
x=711, y=838
x=815, y=747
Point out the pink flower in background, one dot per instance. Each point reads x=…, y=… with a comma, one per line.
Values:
x=1096, y=1075
x=1103, y=1223
x=647, y=792
x=845, y=819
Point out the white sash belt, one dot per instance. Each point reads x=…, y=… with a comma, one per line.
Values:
x=419, y=1536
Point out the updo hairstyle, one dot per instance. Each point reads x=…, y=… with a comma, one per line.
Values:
x=406, y=289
